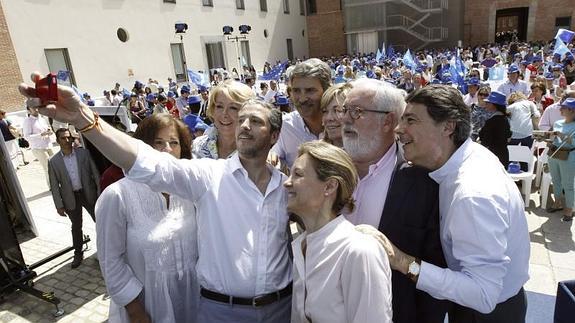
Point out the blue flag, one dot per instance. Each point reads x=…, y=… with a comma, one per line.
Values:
x=408, y=60
x=560, y=48
x=63, y=75
x=390, y=52
x=378, y=55
x=497, y=73
x=275, y=73
x=383, y=55
x=196, y=78
x=565, y=35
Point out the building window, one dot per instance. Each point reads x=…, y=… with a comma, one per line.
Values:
x=289, y=49
x=286, y=6
x=59, y=61
x=207, y=3
x=240, y=4
x=170, y=1
x=264, y=5
x=563, y=22
x=302, y=7
x=246, y=58
x=311, y=7
x=215, y=55
x=179, y=59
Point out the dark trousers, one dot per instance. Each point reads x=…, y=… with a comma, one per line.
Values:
x=512, y=310
x=75, y=217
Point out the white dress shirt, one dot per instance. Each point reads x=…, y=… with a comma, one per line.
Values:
x=32, y=130
x=468, y=99
x=483, y=232
x=371, y=191
x=294, y=133
x=520, y=86
x=242, y=233
x=520, y=118
x=344, y=277
x=71, y=164
x=270, y=96
x=550, y=116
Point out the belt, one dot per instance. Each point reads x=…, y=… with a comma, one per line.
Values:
x=258, y=301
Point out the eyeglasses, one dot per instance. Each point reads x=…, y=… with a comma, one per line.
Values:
x=355, y=112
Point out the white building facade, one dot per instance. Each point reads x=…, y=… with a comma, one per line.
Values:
x=102, y=42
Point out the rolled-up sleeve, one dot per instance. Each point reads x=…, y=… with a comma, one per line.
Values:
x=111, y=228
x=477, y=232
x=162, y=172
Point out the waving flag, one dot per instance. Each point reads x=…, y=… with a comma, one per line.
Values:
x=565, y=35
x=197, y=78
x=275, y=73
x=497, y=73
x=378, y=55
x=62, y=75
x=408, y=60
x=560, y=48
x=383, y=50
x=390, y=52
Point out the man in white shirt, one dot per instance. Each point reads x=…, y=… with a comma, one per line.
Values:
x=370, y=113
x=309, y=79
x=472, y=88
x=270, y=96
x=483, y=228
x=513, y=83
x=243, y=267
x=37, y=131
x=182, y=101
x=74, y=183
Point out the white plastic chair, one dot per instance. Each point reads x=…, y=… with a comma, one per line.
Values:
x=523, y=154
x=545, y=184
x=541, y=160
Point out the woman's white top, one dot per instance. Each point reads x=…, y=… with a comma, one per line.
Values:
x=149, y=251
x=344, y=277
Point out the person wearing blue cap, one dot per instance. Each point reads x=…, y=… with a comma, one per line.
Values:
x=562, y=160
x=558, y=77
x=182, y=101
x=495, y=133
x=472, y=87
x=513, y=83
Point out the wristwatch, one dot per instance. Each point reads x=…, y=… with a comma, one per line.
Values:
x=413, y=269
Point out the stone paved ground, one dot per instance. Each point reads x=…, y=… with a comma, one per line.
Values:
x=84, y=297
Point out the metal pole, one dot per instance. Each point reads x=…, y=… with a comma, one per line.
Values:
x=239, y=57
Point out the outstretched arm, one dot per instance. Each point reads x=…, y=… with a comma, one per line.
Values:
x=118, y=147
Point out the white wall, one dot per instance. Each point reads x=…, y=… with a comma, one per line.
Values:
x=87, y=28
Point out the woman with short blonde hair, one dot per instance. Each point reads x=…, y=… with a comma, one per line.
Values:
x=331, y=102
x=340, y=274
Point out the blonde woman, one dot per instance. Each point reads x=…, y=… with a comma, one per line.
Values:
x=331, y=102
x=224, y=103
x=340, y=274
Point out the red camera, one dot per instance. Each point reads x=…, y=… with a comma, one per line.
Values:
x=47, y=89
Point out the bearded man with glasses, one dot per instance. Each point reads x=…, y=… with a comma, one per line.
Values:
x=398, y=199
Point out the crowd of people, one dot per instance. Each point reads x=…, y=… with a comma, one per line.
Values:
x=396, y=175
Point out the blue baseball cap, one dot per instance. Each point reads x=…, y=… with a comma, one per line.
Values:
x=150, y=97
x=193, y=99
x=171, y=94
x=282, y=100
x=200, y=125
x=569, y=103
x=185, y=89
x=202, y=88
x=496, y=98
x=549, y=76
x=513, y=69
x=537, y=58
x=473, y=81
x=557, y=67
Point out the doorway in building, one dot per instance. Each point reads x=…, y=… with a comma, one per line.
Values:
x=511, y=24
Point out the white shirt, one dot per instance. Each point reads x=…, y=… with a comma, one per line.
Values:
x=550, y=116
x=242, y=233
x=483, y=232
x=468, y=99
x=294, y=132
x=345, y=274
x=143, y=245
x=71, y=164
x=32, y=129
x=270, y=96
x=520, y=118
x=371, y=191
x=117, y=99
x=182, y=106
x=520, y=86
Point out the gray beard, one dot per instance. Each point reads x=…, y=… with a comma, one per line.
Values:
x=360, y=147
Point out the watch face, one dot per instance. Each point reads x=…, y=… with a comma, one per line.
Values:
x=414, y=268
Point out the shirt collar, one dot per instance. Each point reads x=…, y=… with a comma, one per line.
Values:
x=68, y=156
x=386, y=159
x=235, y=165
x=453, y=163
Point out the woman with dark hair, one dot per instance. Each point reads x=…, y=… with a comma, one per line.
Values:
x=340, y=274
x=496, y=132
x=147, y=244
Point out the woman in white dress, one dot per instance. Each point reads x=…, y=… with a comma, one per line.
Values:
x=147, y=241
x=340, y=274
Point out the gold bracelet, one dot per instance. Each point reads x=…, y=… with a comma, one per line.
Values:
x=95, y=124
